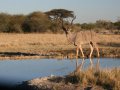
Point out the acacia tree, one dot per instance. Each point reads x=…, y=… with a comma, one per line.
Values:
x=59, y=13
x=58, y=16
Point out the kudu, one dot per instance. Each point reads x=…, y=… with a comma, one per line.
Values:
x=80, y=38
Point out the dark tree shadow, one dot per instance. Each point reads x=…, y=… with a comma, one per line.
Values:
x=10, y=54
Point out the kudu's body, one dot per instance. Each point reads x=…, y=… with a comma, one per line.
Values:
x=80, y=38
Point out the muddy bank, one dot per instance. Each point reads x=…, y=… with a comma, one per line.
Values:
x=69, y=53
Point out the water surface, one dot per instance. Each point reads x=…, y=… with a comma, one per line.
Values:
x=15, y=71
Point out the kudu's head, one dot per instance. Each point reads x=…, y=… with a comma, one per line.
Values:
x=67, y=27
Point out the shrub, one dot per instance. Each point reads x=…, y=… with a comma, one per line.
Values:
x=36, y=22
x=4, y=20
x=15, y=24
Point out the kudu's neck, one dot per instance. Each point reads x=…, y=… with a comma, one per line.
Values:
x=70, y=36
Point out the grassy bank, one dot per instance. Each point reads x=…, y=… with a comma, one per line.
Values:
x=89, y=79
x=109, y=79
x=35, y=45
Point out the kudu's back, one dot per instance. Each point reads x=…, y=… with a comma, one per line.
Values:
x=84, y=37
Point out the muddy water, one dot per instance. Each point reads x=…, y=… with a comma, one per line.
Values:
x=15, y=71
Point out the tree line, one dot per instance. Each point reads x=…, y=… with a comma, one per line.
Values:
x=40, y=22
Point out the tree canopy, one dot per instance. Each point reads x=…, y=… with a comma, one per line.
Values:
x=60, y=13
x=49, y=22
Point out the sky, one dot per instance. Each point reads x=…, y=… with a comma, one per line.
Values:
x=86, y=11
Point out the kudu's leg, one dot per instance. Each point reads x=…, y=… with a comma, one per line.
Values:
x=97, y=50
x=77, y=51
x=91, y=47
x=80, y=47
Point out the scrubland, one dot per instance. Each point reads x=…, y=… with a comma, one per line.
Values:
x=42, y=44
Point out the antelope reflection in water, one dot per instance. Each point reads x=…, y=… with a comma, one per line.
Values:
x=91, y=66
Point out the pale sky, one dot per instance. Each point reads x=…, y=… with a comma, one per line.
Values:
x=85, y=10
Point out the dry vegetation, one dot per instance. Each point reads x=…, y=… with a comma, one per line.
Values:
x=108, y=78
x=89, y=79
x=30, y=41
x=44, y=43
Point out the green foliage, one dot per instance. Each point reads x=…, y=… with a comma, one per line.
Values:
x=60, y=13
x=104, y=24
x=4, y=20
x=117, y=25
x=58, y=16
x=54, y=27
x=87, y=26
x=15, y=24
x=50, y=22
x=36, y=22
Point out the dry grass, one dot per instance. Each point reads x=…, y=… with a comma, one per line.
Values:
x=41, y=39
x=45, y=39
x=109, y=79
x=30, y=42
x=43, y=43
x=109, y=40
